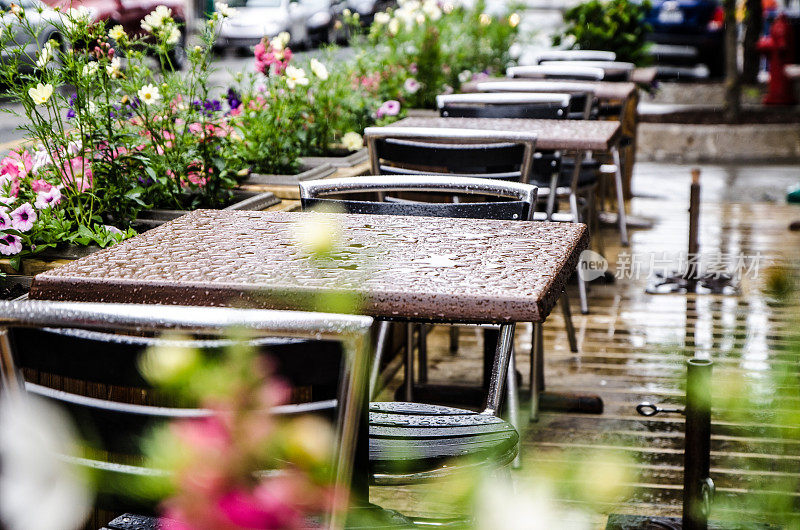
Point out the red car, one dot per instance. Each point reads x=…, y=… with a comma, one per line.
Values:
x=129, y=14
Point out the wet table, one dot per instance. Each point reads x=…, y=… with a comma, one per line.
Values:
x=398, y=267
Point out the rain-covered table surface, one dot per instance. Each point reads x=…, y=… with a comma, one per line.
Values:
x=442, y=269
x=550, y=134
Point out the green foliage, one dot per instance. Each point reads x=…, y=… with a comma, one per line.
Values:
x=613, y=25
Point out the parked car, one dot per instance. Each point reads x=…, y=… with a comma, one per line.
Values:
x=130, y=14
x=26, y=45
x=321, y=19
x=687, y=32
x=255, y=19
x=366, y=9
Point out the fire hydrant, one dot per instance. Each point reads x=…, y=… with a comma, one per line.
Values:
x=779, y=48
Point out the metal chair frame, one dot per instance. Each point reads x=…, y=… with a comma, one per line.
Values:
x=558, y=70
x=576, y=55
x=351, y=330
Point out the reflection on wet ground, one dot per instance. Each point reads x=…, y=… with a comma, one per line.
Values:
x=633, y=346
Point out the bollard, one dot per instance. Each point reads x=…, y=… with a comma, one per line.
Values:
x=697, y=485
x=698, y=488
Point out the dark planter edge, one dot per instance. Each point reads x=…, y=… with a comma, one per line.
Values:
x=311, y=173
x=245, y=200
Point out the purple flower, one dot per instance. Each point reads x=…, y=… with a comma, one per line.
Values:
x=5, y=220
x=234, y=99
x=411, y=85
x=389, y=108
x=112, y=229
x=10, y=245
x=48, y=199
x=22, y=218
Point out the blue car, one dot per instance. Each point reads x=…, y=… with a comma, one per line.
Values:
x=688, y=32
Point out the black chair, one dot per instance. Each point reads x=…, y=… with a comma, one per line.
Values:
x=445, y=151
x=88, y=343
x=508, y=105
x=423, y=438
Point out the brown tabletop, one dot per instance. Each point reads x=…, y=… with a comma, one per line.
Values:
x=550, y=134
x=603, y=90
x=443, y=269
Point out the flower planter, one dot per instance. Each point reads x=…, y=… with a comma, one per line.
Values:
x=243, y=200
x=349, y=159
x=307, y=173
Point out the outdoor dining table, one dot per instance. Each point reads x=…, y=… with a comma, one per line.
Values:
x=397, y=267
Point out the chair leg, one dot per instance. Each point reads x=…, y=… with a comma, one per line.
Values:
x=380, y=345
x=621, y=216
x=551, y=199
x=422, y=353
x=409, y=373
x=512, y=395
x=568, y=325
x=537, y=343
x=454, y=339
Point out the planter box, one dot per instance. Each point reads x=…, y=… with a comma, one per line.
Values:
x=347, y=160
x=14, y=287
x=308, y=173
x=244, y=200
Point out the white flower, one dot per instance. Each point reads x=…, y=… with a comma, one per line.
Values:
x=352, y=141
x=295, y=76
x=394, y=26
x=149, y=94
x=113, y=69
x=41, y=93
x=431, y=8
x=485, y=19
x=39, y=487
x=41, y=158
x=318, y=233
x=382, y=18
x=45, y=55
x=117, y=33
x=156, y=19
x=224, y=10
x=174, y=35
x=90, y=69
x=279, y=42
x=75, y=16
x=319, y=69
x=514, y=20
x=464, y=76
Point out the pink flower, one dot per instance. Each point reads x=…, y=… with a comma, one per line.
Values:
x=267, y=506
x=24, y=159
x=11, y=167
x=78, y=174
x=48, y=199
x=411, y=85
x=10, y=245
x=22, y=218
x=9, y=186
x=40, y=185
x=389, y=108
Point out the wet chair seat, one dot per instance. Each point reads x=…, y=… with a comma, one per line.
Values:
x=409, y=442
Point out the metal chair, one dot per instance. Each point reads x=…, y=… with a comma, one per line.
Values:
x=558, y=71
x=85, y=341
x=508, y=105
x=589, y=110
x=575, y=55
x=550, y=174
x=516, y=203
x=445, y=151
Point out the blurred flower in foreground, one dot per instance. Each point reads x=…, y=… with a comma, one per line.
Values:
x=318, y=234
x=39, y=488
x=240, y=466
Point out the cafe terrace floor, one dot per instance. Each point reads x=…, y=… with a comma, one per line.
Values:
x=633, y=347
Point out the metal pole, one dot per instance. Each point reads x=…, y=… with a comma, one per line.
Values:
x=694, y=227
x=697, y=485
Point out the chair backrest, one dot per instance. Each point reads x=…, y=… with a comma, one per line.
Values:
x=519, y=203
x=446, y=151
x=575, y=55
x=582, y=102
x=614, y=70
x=99, y=345
x=504, y=105
x=563, y=70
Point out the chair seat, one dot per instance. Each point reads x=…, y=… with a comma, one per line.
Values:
x=412, y=441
